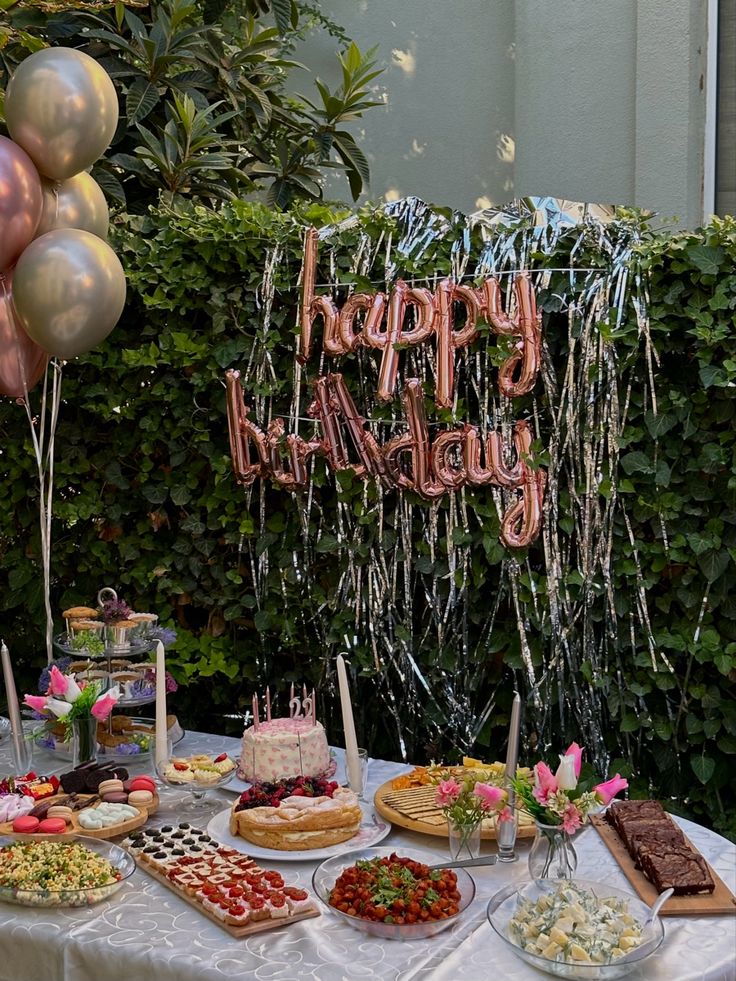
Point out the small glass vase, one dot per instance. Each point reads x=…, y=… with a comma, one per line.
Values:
x=552, y=855
x=84, y=740
x=464, y=839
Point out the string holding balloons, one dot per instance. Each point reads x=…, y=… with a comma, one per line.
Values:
x=62, y=288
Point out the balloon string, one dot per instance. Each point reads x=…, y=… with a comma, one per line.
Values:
x=45, y=469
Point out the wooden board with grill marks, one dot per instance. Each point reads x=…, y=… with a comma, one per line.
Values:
x=414, y=809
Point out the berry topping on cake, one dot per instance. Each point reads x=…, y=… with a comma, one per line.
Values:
x=271, y=794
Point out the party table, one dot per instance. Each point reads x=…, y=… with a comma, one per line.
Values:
x=146, y=933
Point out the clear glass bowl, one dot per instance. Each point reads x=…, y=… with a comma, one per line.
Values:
x=503, y=906
x=326, y=874
x=118, y=858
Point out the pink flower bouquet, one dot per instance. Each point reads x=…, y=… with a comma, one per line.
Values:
x=65, y=700
x=558, y=799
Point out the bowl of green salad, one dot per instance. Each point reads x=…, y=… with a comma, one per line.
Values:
x=579, y=929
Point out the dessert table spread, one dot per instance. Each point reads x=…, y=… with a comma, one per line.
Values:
x=146, y=932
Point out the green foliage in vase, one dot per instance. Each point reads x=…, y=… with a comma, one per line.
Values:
x=205, y=109
x=146, y=502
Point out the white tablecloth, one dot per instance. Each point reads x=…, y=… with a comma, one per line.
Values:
x=146, y=933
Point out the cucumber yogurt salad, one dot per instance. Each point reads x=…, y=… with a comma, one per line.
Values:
x=573, y=926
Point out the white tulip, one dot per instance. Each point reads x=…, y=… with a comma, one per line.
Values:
x=73, y=691
x=57, y=707
x=565, y=776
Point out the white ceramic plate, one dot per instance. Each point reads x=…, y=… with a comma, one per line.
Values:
x=372, y=830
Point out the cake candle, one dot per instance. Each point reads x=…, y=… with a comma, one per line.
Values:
x=161, y=727
x=314, y=709
x=291, y=701
x=256, y=720
x=352, y=760
x=268, y=704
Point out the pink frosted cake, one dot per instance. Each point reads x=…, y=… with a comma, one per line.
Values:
x=284, y=748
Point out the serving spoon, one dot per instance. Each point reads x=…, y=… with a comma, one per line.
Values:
x=465, y=862
x=658, y=904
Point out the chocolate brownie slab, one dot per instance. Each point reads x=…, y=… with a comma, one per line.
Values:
x=682, y=869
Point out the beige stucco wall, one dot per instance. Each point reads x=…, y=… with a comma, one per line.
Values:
x=598, y=100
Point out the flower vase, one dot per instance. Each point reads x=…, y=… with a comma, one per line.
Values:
x=552, y=855
x=464, y=839
x=84, y=740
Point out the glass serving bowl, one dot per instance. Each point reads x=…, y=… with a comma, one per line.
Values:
x=326, y=874
x=504, y=904
x=122, y=862
x=198, y=789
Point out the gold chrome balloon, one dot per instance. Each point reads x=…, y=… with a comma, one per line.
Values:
x=62, y=108
x=68, y=291
x=74, y=203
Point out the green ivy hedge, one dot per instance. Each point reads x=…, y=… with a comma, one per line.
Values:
x=145, y=501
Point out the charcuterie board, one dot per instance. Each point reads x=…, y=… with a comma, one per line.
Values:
x=414, y=808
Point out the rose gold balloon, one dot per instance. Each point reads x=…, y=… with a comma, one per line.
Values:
x=312, y=306
x=22, y=362
x=352, y=306
x=523, y=521
x=448, y=339
x=505, y=476
x=242, y=433
x=416, y=441
x=21, y=201
x=526, y=324
x=452, y=475
x=364, y=442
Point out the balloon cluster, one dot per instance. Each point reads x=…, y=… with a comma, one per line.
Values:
x=62, y=288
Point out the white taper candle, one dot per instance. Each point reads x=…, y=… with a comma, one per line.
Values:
x=161, y=727
x=352, y=760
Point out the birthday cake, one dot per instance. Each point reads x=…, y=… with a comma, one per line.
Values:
x=283, y=748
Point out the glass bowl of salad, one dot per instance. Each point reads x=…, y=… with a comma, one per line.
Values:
x=45, y=872
x=578, y=929
x=393, y=895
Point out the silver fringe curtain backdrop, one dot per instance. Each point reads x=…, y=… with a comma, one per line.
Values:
x=438, y=632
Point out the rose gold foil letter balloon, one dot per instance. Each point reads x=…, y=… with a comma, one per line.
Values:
x=526, y=325
x=62, y=108
x=22, y=363
x=69, y=291
x=21, y=200
x=74, y=203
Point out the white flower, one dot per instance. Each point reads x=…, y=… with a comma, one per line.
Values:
x=565, y=775
x=73, y=691
x=57, y=707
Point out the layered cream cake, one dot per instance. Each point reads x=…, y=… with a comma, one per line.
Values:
x=284, y=748
x=300, y=823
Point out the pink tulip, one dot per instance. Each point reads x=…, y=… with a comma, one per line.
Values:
x=58, y=684
x=608, y=790
x=447, y=793
x=104, y=706
x=489, y=795
x=544, y=783
x=577, y=752
x=506, y=814
x=36, y=702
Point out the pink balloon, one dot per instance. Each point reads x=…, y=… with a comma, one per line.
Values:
x=19, y=355
x=21, y=201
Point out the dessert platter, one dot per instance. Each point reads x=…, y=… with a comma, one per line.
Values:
x=94, y=800
x=409, y=800
x=221, y=882
x=655, y=855
x=110, y=628
x=298, y=819
x=197, y=774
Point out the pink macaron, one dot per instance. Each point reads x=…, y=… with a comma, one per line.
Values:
x=52, y=826
x=142, y=783
x=26, y=825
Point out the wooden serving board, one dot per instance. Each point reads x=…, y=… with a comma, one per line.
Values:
x=74, y=829
x=720, y=901
x=414, y=809
x=261, y=926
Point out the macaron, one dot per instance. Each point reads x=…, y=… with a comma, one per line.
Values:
x=59, y=811
x=142, y=783
x=26, y=825
x=109, y=786
x=52, y=826
x=140, y=797
x=115, y=797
